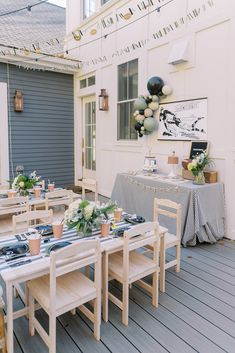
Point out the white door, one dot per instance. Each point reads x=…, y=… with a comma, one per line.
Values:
x=89, y=137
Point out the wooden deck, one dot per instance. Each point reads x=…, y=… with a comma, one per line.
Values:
x=196, y=314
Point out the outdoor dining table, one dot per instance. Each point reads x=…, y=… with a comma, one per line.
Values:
x=203, y=206
x=35, y=202
x=39, y=266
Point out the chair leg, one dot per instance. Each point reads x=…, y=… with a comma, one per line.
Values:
x=31, y=314
x=125, y=300
x=2, y=333
x=87, y=271
x=73, y=311
x=97, y=317
x=155, y=289
x=16, y=294
x=52, y=334
x=178, y=250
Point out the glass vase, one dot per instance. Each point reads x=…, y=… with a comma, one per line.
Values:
x=199, y=179
x=24, y=192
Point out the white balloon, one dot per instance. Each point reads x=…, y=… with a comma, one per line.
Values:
x=154, y=105
x=167, y=90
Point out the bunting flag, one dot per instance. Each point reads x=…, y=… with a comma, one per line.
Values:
x=158, y=34
x=106, y=23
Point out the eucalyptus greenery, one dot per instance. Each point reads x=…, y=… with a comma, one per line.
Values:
x=85, y=215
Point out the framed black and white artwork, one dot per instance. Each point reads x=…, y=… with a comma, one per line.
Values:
x=183, y=120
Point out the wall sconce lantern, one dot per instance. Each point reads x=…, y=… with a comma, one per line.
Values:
x=103, y=100
x=18, y=101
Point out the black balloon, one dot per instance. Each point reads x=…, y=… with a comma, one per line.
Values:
x=155, y=85
x=138, y=126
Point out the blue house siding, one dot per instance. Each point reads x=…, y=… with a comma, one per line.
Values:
x=42, y=136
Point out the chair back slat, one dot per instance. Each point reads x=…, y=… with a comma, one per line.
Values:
x=89, y=184
x=139, y=236
x=40, y=217
x=72, y=258
x=58, y=197
x=14, y=205
x=169, y=209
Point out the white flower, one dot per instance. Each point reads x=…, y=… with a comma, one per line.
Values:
x=88, y=210
x=21, y=184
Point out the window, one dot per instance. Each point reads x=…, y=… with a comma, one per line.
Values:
x=87, y=82
x=88, y=8
x=104, y=2
x=127, y=93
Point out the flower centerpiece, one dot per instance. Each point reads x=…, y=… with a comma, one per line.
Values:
x=197, y=166
x=22, y=183
x=85, y=215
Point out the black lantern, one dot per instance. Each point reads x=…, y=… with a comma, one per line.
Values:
x=18, y=101
x=103, y=100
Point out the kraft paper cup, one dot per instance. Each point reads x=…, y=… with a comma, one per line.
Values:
x=37, y=192
x=11, y=193
x=118, y=215
x=57, y=229
x=34, y=244
x=51, y=187
x=105, y=229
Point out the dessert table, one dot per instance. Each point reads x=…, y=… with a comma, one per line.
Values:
x=203, y=206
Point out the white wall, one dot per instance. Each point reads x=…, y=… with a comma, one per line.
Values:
x=208, y=73
x=4, y=152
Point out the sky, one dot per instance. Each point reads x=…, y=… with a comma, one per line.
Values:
x=58, y=2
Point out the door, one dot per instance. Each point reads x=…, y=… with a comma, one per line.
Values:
x=89, y=137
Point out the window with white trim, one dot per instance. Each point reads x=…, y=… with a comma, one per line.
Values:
x=127, y=93
x=88, y=8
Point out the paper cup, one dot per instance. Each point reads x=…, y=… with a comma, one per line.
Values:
x=34, y=244
x=57, y=229
x=37, y=192
x=11, y=193
x=105, y=229
x=51, y=187
x=118, y=215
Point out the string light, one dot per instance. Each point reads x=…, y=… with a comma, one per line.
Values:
x=28, y=8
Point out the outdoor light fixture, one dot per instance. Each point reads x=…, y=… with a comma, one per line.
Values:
x=18, y=101
x=103, y=100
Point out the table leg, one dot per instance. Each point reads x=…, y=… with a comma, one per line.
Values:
x=105, y=286
x=162, y=263
x=10, y=334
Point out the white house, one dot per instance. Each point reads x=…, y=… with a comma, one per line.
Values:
x=188, y=43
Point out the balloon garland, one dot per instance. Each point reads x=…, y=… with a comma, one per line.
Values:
x=146, y=106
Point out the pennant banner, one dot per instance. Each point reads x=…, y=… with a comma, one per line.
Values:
x=158, y=34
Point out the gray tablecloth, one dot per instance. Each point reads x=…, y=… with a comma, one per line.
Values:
x=203, y=209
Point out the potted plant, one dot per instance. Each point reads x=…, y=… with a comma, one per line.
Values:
x=86, y=215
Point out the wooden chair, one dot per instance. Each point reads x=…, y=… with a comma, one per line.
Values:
x=32, y=218
x=89, y=184
x=3, y=344
x=130, y=266
x=67, y=288
x=58, y=197
x=173, y=210
x=14, y=205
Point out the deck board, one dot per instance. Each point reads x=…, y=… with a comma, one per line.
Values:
x=196, y=314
